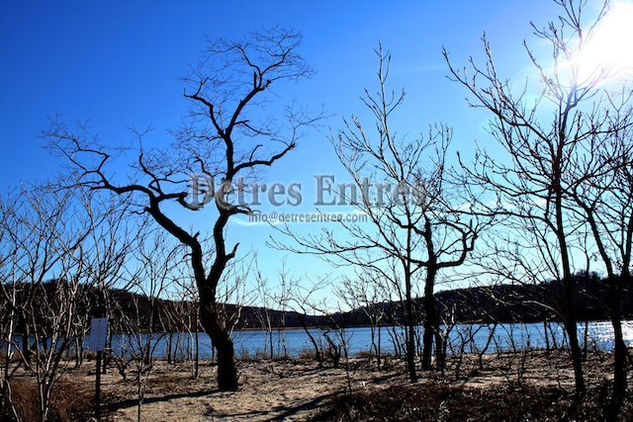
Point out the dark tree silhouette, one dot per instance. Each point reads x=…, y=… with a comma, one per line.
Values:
x=546, y=139
x=413, y=227
x=601, y=198
x=228, y=134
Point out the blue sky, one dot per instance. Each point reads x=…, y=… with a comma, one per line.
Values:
x=119, y=63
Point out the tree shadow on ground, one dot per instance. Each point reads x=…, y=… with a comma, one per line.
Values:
x=123, y=404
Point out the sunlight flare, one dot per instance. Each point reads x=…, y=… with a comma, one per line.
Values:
x=608, y=50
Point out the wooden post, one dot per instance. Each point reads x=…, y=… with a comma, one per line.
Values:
x=98, y=387
x=98, y=330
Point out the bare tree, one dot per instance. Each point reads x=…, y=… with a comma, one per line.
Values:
x=542, y=137
x=10, y=289
x=272, y=305
x=53, y=272
x=150, y=275
x=264, y=311
x=367, y=293
x=226, y=137
x=601, y=196
x=412, y=218
x=110, y=241
x=302, y=301
x=282, y=298
x=186, y=299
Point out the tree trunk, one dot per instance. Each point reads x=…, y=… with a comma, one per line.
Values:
x=176, y=356
x=372, y=333
x=317, y=352
x=196, y=358
x=440, y=356
x=620, y=352
x=410, y=327
x=78, y=353
x=569, y=285
x=378, y=348
x=26, y=345
x=227, y=371
x=169, y=343
x=571, y=326
x=270, y=335
x=585, y=344
x=431, y=322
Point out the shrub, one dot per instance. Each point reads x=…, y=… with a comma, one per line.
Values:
x=245, y=355
x=439, y=402
x=70, y=401
x=366, y=354
x=306, y=354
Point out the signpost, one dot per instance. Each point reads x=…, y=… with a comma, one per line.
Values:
x=98, y=334
x=97, y=343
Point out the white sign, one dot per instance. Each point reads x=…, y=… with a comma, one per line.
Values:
x=98, y=334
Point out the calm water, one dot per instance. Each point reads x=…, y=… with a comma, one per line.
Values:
x=466, y=337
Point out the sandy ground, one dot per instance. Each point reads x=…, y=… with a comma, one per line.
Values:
x=269, y=391
x=293, y=391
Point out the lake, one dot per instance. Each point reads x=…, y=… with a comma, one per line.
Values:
x=468, y=338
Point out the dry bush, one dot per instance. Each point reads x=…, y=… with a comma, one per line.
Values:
x=70, y=401
x=442, y=402
x=245, y=355
x=366, y=354
x=307, y=354
x=90, y=355
x=261, y=355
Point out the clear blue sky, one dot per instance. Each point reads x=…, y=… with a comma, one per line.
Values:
x=118, y=64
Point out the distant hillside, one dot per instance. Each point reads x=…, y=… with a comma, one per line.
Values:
x=506, y=303
x=502, y=303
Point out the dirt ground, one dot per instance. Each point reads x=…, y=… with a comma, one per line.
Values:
x=295, y=390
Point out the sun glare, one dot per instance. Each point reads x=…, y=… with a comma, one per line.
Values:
x=609, y=48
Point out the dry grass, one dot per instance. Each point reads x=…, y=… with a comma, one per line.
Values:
x=307, y=354
x=444, y=402
x=70, y=401
x=535, y=385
